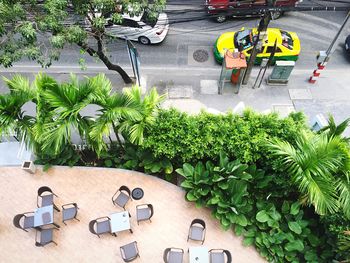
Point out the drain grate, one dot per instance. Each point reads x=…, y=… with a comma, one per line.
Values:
x=201, y=55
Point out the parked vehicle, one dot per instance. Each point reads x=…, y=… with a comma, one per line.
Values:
x=221, y=7
x=287, y=45
x=347, y=44
x=139, y=28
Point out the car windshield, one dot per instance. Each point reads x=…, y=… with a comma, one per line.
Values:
x=151, y=21
x=287, y=40
x=243, y=39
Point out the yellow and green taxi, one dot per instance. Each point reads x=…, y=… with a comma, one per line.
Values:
x=287, y=48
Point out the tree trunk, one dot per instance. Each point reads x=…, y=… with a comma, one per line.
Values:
x=101, y=55
x=114, y=67
x=117, y=136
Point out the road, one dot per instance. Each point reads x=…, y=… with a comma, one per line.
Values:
x=315, y=30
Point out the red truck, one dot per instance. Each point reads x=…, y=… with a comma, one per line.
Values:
x=220, y=7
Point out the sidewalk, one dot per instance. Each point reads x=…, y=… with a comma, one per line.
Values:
x=330, y=93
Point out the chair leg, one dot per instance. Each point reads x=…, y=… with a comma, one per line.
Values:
x=76, y=219
x=54, y=242
x=56, y=225
x=131, y=231
x=64, y=222
x=56, y=208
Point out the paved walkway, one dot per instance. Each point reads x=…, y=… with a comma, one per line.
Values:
x=92, y=189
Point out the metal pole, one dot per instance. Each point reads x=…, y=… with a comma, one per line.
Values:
x=321, y=65
x=264, y=22
x=336, y=38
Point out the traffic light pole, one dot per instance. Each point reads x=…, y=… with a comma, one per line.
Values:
x=264, y=22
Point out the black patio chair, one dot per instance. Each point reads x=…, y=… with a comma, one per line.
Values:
x=24, y=221
x=45, y=194
x=129, y=252
x=173, y=255
x=144, y=212
x=69, y=211
x=218, y=256
x=197, y=230
x=44, y=236
x=100, y=226
x=122, y=196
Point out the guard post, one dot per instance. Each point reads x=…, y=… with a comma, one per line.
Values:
x=231, y=69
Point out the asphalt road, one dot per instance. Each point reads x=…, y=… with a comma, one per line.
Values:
x=315, y=30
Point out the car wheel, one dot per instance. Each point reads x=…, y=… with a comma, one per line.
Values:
x=276, y=14
x=144, y=40
x=220, y=19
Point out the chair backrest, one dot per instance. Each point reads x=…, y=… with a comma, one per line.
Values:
x=17, y=221
x=198, y=221
x=44, y=189
x=125, y=188
x=222, y=252
x=150, y=206
x=92, y=227
x=168, y=252
x=228, y=255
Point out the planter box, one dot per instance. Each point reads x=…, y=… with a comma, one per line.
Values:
x=29, y=167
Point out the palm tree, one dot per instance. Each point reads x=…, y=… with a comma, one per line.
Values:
x=148, y=108
x=12, y=118
x=127, y=113
x=66, y=101
x=319, y=166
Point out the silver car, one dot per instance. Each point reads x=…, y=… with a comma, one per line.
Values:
x=139, y=28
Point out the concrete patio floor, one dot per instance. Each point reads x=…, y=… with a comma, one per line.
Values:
x=92, y=189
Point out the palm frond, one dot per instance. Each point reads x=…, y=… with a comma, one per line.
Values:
x=332, y=129
x=19, y=84
x=343, y=187
x=312, y=164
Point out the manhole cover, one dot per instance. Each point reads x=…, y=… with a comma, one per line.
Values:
x=200, y=55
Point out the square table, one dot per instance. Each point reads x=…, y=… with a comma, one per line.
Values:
x=120, y=221
x=199, y=255
x=43, y=216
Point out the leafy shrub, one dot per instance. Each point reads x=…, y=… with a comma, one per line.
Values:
x=67, y=156
x=237, y=195
x=338, y=233
x=183, y=138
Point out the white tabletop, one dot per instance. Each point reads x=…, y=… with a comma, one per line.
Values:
x=120, y=221
x=43, y=215
x=199, y=255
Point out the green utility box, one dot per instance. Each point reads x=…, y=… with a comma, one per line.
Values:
x=280, y=73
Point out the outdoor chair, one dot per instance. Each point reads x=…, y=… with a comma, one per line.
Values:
x=44, y=236
x=197, y=230
x=173, y=255
x=144, y=212
x=24, y=221
x=100, y=226
x=69, y=211
x=129, y=252
x=218, y=256
x=45, y=194
x=122, y=196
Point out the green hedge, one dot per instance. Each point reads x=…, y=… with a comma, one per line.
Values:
x=184, y=138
